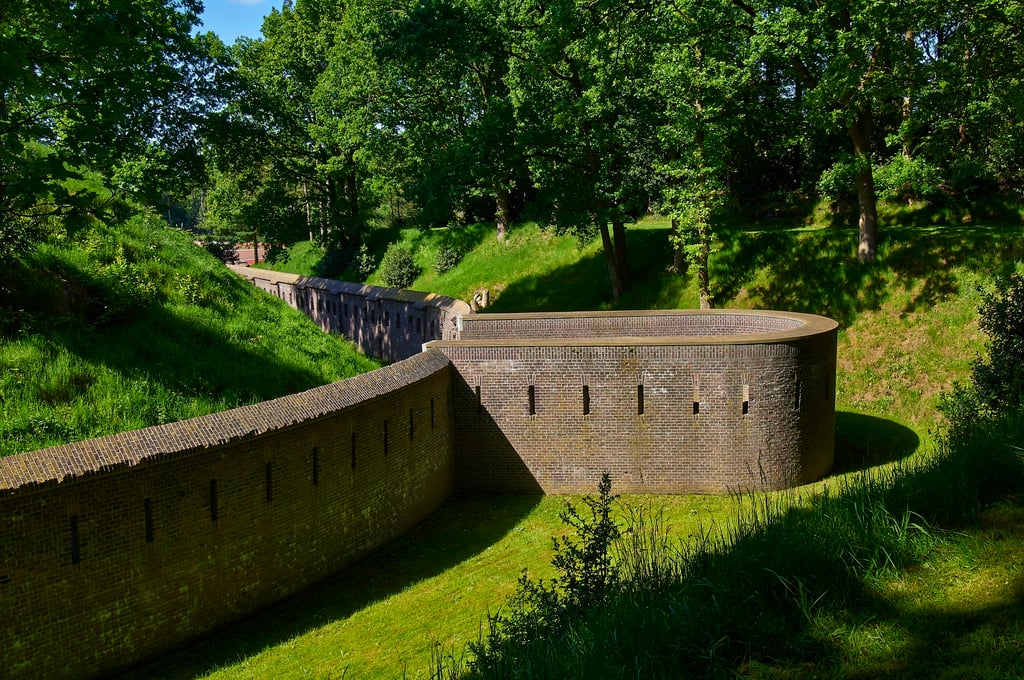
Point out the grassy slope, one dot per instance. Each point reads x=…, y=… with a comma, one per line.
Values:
x=909, y=329
x=123, y=327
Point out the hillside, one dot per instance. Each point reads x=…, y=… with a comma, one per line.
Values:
x=119, y=326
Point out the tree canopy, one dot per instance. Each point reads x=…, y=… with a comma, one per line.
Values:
x=580, y=115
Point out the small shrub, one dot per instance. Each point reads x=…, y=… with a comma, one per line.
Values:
x=997, y=382
x=587, y=578
x=839, y=182
x=365, y=265
x=397, y=267
x=448, y=256
x=907, y=179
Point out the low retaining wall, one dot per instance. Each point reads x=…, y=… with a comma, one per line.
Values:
x=118, y=548
x=667, y=402
x=386, y=323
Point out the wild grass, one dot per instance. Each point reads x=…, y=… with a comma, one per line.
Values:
x=786, y=587
x=121, y=327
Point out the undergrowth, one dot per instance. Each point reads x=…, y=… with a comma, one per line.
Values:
x=752, y=593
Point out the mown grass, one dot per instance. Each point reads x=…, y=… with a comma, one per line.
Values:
x=908, y=331
x=122, y=326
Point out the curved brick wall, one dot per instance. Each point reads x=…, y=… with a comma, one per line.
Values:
x=117, y=548
x=667, y=402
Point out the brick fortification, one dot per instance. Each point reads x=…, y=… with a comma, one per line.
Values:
x=386, y=323
x=667, y=402
x=120, y=548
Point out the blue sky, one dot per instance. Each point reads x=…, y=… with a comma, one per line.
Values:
x=231, y=19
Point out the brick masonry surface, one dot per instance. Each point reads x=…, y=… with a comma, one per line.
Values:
x=120, y=548
x=542, y=410
x=387, y=323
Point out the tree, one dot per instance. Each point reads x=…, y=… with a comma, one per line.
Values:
x=295, y=125
x=846, y=56
x=450, y=104
x=83, y=85
x=702, y=71
x=584, y=102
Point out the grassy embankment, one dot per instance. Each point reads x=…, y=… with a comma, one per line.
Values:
x=113, y=328
x=951, y=599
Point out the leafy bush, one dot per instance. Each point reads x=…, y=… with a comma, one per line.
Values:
x=586, y=580
x=997, y=382
x=839, y=182
x=906, y=179
x=397, y=267
x=365, y=265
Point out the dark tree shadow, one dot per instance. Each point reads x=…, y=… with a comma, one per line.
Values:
x=864, y=441
x=816, y=271
x=960, y=638
x=463, y=527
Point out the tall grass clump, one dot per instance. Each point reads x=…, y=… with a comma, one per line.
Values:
x=722, y=598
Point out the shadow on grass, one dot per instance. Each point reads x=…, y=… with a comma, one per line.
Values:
x=864, y=441
x=195, y=360
x=460, y=529
x=975, y=629
x=816, y=271
x=586, y=286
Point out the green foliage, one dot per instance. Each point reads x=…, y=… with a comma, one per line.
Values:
x=908, y=179
x=398, y=269
x=587, y=578
x=365, y=265
x=447, y=257
x=838, y=182
x=1000, y=378
x=97, y=88
x=997, y=380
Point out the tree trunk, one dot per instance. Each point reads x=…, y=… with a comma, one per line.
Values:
x=621, y=259
x=679, y=262
x=860, y=134
x=503, y=212
x=609, y=257
x=703, y=275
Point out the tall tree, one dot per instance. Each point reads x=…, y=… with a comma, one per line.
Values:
x=580, y=81
x=82, y=84
x=844, y=55
x=702, y=72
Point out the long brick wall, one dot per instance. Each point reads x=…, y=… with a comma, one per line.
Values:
x=387, y=323
x=117, y=548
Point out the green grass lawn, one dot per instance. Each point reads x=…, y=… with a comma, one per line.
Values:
x=909, y=330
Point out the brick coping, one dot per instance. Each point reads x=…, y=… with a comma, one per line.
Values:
x=804, y=325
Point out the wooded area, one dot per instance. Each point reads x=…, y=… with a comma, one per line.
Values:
x=581, y=114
